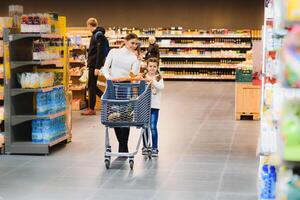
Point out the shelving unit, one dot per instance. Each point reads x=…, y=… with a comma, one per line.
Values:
x=20, y=104
x=187, y=48
x=5, y=22
x=77, y=65
x=267, y=146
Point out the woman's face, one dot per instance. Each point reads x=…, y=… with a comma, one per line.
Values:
x=152, y=68
x=131, y=44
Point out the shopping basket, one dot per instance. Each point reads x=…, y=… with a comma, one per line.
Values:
x=126, y=105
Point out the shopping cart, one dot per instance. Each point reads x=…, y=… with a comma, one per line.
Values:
x=126, y=105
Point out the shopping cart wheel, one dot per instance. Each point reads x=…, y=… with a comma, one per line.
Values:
x=107, y=163
x=131, y=163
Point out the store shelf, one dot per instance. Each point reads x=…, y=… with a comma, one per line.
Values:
x=187, y=66
x=76, y=75
x=199, y=56
x=290, y=93
x=17, y=119
x=187, y=36
x=34, y=148
x=198, y=77
x=206, y=46
x=14, y=37
x=77, y=89
x=76, y=62
x=18, y=91
x=17, y=64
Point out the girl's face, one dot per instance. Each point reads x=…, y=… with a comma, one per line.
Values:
x=152, y=68
x=131, y=44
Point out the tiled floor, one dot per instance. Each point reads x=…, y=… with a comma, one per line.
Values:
x=204, y=155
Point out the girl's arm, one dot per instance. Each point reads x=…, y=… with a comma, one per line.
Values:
x=159, y=85
x=106, y=68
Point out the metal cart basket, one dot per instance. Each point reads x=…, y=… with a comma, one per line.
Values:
x=126, y=105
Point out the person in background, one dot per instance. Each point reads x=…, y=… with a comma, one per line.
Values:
x=96, y=57
x=153, y=77
x=119, y=63
x=153, y=49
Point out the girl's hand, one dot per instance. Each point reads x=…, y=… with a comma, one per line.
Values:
x=148, y=79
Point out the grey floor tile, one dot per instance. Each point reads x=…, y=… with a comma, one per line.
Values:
x=50, y=193
x=111, y=194
x=192, y=195
x=175, y=184
x=237, y=196
x=239, y=181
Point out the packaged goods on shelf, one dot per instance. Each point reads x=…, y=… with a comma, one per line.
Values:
x=291, y=11
x=268, y=176
x=47, y=49
x=36, y=80
x=45, y=131
x=51, y=102
x=39, y=23
x=290, y=130
x=76, y=71
x=77, y=87
x=1, y=48
x=291, y=59
x=5, y=22
x=1, y=114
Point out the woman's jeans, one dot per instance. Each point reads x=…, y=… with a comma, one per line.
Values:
x=153, y=127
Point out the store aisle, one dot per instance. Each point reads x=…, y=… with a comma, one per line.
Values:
x=204, y=155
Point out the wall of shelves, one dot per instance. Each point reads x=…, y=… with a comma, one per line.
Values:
x=180, y=49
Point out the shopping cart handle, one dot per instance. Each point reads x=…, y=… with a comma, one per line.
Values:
x=127, y=79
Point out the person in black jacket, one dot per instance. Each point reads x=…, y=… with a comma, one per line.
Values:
x=153, y=49
x=96, y=58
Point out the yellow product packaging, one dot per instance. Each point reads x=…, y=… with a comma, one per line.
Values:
x=293, y=10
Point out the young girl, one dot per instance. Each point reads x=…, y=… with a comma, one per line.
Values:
x=153, y=77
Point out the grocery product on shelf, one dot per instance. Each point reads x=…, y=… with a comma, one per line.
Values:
x=45, y=131
x=51, y=102
x=291, y=59
x=290, y=130
x=47, y=49
x=195, y=49
x=36, y=80
x=40, y=23
x=268, y=184
x=78, y=48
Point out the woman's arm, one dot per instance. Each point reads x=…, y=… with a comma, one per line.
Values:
x=106, y=68
x=136, y=67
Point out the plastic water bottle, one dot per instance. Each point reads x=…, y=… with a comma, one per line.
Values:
x=272, y=182
x=264, y=193
x=41, y=102
x=46, y=131
x=39, y=131
x=34, y=131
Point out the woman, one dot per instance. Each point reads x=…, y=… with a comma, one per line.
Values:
x=119, y=63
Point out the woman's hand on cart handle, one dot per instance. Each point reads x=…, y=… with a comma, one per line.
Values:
x=126, y=79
